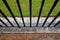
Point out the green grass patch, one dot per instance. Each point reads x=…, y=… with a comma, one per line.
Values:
x=25, y=7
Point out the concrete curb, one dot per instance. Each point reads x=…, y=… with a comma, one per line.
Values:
x=30, y=30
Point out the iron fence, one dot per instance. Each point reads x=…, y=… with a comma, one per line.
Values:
x=30, y=8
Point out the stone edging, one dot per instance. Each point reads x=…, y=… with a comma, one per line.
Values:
x=30, y=30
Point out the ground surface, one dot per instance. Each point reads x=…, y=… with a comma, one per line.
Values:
x=35, y=36
x=25, y=7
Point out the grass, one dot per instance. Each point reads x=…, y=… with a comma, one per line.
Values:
x=25, y=7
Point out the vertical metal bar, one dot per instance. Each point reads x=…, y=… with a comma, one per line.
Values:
x=40, y=12
x=6, y=18
x=20, y=11
x=30, y=2
x=4, y=23
x=54, y=19
x=55, y=3
x=6, y=4
x=56, y=23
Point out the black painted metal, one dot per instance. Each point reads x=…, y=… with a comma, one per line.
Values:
x=4, y=23
x=53, y=6
x=30, y=2
x=6, y=18
x=54, y=19
x=57, y=24
x=40, y=12
x=1, y=26
x=6, y=4
x=20, y=11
